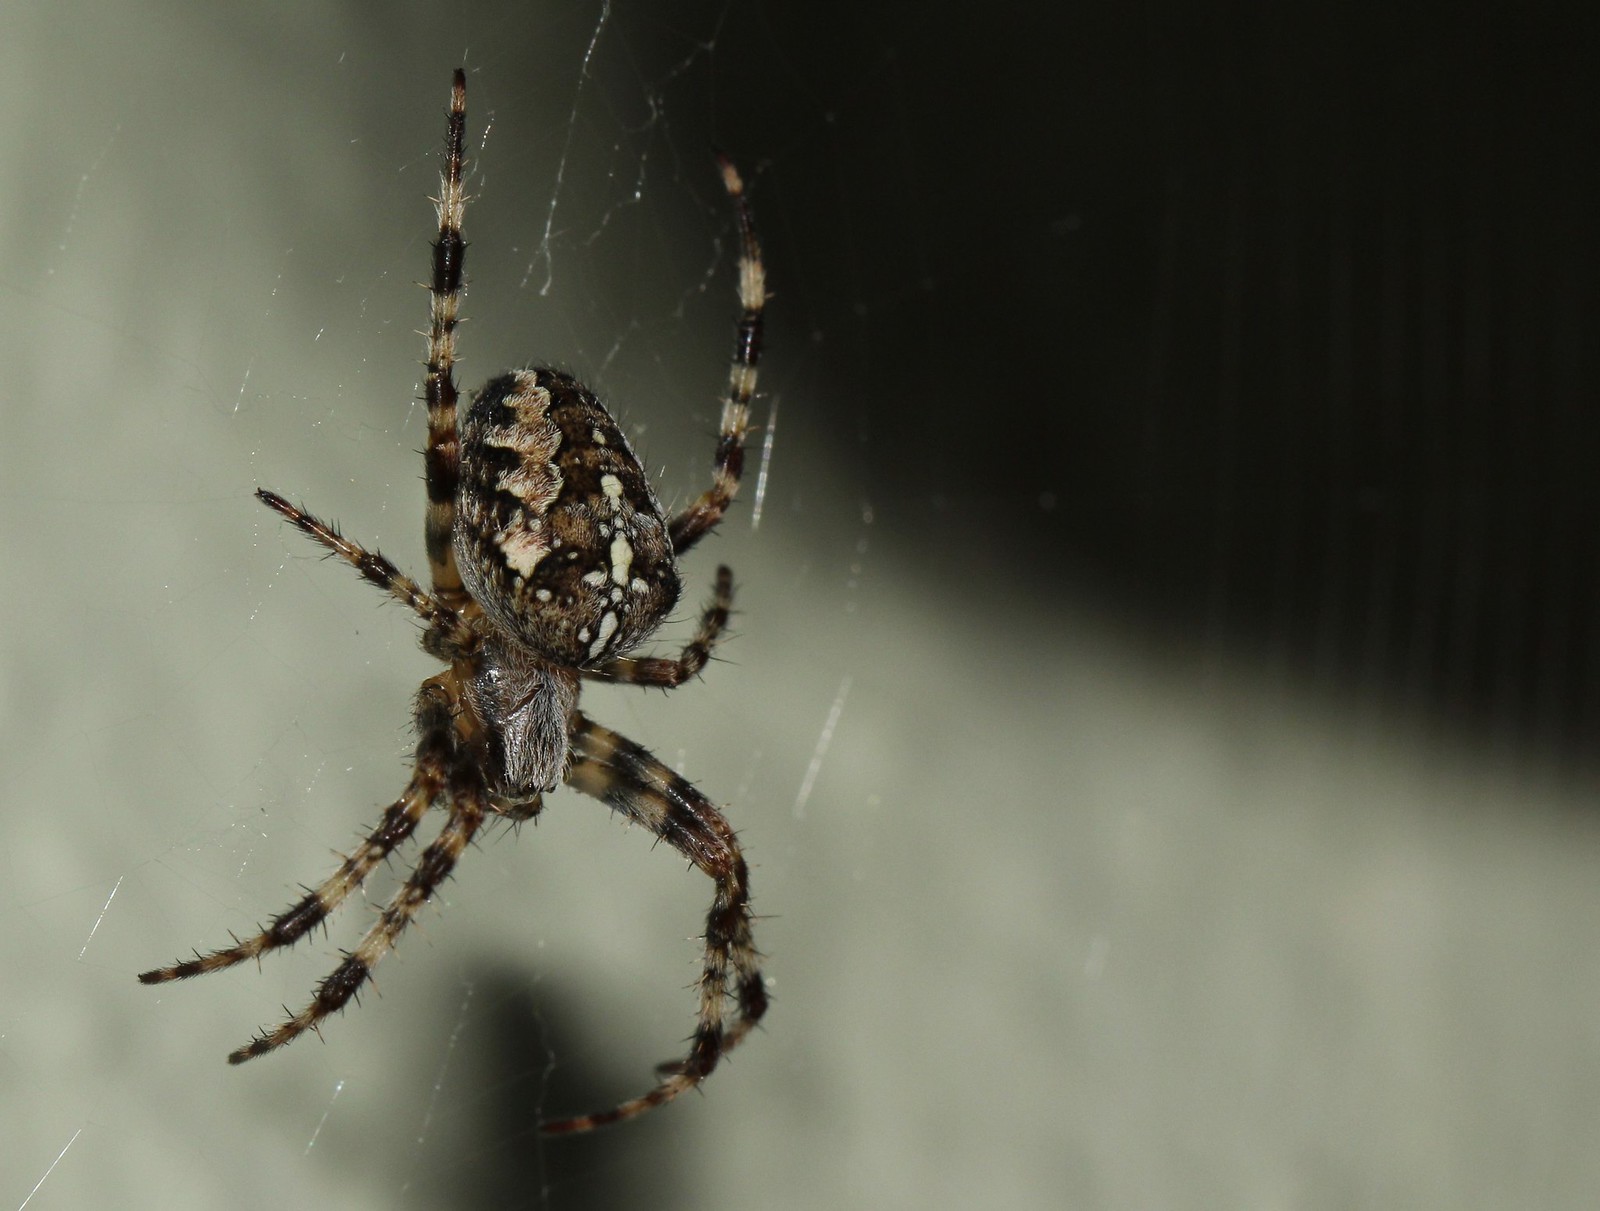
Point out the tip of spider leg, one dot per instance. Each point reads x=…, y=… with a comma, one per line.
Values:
x=731, y=180
x=256, y=1046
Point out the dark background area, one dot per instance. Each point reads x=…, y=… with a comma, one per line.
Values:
x=1274, y=328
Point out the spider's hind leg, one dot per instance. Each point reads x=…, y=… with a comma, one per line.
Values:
x=628, y=778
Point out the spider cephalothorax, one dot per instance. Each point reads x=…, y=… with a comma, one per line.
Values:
x=551, y=559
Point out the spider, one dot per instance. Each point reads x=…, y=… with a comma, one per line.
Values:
x=551, y=560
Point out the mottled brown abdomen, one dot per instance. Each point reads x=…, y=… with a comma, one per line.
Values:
x=557, y=534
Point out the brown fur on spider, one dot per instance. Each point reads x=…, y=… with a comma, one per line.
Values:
x=551, y=560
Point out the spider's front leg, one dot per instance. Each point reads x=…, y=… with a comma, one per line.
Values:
x=443, y=457
x=631, y=780
x=448, y=634
x=702, y=515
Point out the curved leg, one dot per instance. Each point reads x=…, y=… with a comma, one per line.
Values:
x=435, y=749
x=665, y=672
x=628, y=778
x=694, y=522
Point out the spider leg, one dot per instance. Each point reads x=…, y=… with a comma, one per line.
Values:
x=667, y=672
x=451, y=632
x=694, y=522
x=467, y=811
x=629, y=779
x=434, y=750
x=443, y=457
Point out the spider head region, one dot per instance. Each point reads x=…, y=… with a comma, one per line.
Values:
x=525, y=704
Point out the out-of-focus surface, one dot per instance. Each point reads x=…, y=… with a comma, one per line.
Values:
x=1074, y=898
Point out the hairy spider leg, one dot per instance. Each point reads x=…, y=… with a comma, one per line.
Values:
x=468, y=807
x=443, y=456
x=631, y=780
x=695, y=521
x=448, y=632
x=435, y=750
x=669, y=672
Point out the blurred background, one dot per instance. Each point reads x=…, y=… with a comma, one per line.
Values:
x=1160, y=713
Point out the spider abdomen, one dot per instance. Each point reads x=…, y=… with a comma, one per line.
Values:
x=558, y=536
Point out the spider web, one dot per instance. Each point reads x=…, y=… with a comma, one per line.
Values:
x=1072, y=900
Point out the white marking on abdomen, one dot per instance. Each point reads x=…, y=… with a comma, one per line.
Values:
x=608, y=627
x=523, y=549
x=621, y=559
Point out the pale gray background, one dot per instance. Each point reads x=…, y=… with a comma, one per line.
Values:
x=1062, y=912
